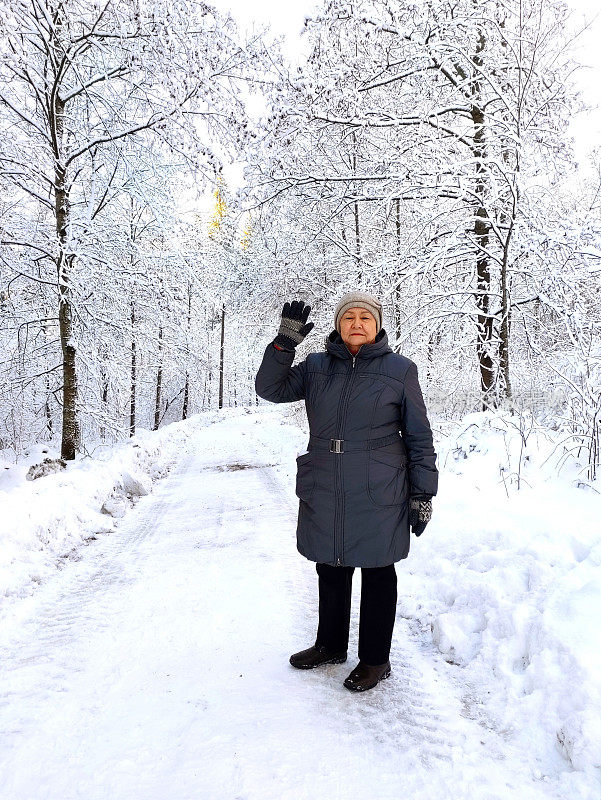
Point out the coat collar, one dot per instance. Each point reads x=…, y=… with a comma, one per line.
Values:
x=336, y=347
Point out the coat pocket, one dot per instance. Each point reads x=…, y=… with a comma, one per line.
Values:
x=305, y=476
x=386, y=478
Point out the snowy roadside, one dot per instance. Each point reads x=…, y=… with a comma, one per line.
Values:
x=157, y=665
x=43, y=522
x=507, y=583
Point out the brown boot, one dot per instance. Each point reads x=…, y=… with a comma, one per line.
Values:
x=316, y=656
x=364, y=677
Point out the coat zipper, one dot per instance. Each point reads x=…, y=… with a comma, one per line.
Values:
x=345, y=398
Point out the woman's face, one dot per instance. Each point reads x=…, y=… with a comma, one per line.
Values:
x=357, y=327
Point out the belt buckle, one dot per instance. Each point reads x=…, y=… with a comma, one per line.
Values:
x=337, y=448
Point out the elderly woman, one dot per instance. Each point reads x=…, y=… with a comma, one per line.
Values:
x=361, y=486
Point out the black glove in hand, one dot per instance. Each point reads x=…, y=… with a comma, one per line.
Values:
x=420, y=512
x=294, y=326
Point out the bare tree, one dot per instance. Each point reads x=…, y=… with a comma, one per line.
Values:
x=457, y=108
x=79, y=83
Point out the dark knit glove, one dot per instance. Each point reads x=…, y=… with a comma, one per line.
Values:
x=294, y=326
x=420, y=512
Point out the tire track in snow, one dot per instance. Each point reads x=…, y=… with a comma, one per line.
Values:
x=45, y=654
x=412, y=722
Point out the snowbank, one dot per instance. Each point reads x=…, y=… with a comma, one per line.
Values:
x=42, y=522
x=509, y=582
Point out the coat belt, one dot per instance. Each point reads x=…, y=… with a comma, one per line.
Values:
x=348, y=445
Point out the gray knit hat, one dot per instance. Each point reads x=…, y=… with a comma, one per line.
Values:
x=358, y=300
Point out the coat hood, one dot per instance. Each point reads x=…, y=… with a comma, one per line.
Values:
x=336, y=347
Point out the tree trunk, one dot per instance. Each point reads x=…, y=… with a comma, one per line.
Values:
x=505, y=327
x=70, y=432
x=104, y=392
x=186, y=396
x=221, y=354
x=132, y=394
x=398, y=286
x=47, y=409
x=157, y=399
x=187, y=381
x=485, y=330
x=208, y=393
x=356, y=211
x=509, y=220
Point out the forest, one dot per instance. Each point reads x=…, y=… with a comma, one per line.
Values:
x=419, y=151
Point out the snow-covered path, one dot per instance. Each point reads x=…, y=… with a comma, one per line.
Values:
x=157, y=665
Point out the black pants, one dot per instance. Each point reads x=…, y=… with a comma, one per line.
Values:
x=377, y=611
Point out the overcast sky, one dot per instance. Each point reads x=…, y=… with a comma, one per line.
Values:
x=287, y=18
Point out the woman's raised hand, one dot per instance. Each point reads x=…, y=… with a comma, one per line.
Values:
x=294, y=326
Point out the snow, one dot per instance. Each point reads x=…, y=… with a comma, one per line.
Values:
x=43, y=521
x=510, y=583
x=153, y=663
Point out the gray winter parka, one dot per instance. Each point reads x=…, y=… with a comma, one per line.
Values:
x=354, y=483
